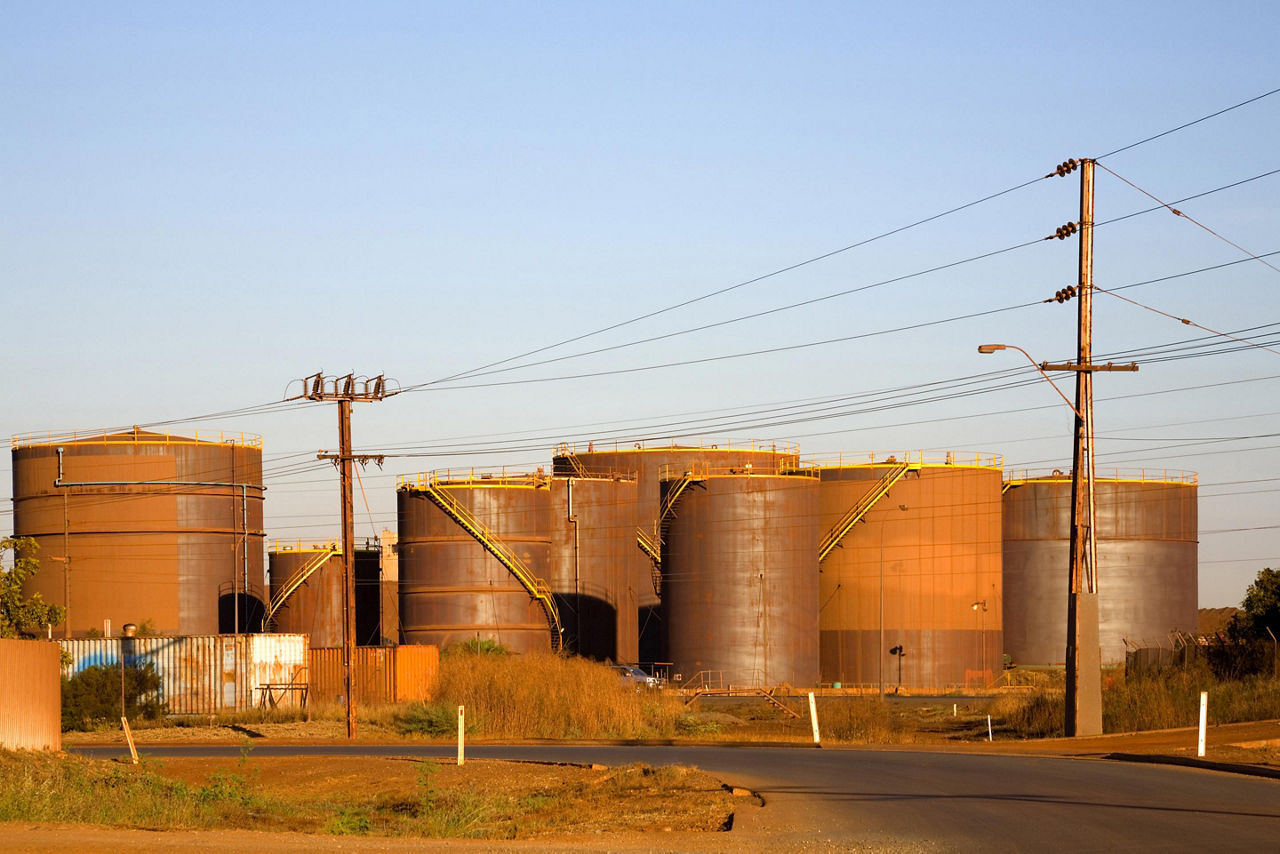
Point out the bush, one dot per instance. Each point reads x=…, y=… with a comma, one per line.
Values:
x=428, y=719
x=1038, y=714
x=91, y=698
x=477, y=646
x=540, y=695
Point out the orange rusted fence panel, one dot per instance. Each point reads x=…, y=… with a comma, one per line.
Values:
x=30, y=696
x=380, y=674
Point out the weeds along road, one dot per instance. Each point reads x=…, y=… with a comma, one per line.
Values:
x=924, y=801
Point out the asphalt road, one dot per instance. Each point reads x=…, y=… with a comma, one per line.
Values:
x=912, y=800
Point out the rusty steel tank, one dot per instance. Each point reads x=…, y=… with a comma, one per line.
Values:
x=740, y=577
x=1147, y=562
x=307, y=592
x=143, y=527
x=645, y=462
x=453, y=586
x=910, y=570
x=593, y=542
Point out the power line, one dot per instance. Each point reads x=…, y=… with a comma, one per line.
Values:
x=1212, y=115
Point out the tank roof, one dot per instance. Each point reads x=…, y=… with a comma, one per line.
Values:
x=1166, y=476
x=496, y=479
x=657, y=446
x=136, y=436
x=918, y=459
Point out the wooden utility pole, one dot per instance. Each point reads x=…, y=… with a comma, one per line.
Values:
x=346, y=390
x=1084, y=653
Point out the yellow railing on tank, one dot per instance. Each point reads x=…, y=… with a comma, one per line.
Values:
x=222, y=437
x=444, y=478
x=701, y=469
x=1110, y=475
x=920, y=459
x=284, y=546
x=771, y=446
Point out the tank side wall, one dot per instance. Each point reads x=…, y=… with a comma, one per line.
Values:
x=740, y=581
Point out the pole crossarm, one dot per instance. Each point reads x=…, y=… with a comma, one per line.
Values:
x=861, y=508
x=348, y=387
x=1092, y=367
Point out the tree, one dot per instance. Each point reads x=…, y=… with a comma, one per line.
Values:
x=23, y=617
x=1260, y=609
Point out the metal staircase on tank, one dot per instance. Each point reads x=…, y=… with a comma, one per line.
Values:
x=861, y=508
x=651, y=544
x=299, y=578
x=537, y=589
x=576, y=464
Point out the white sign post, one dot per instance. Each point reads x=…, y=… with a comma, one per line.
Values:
x=813, y=716
x=462, y=728
x=1204, y=717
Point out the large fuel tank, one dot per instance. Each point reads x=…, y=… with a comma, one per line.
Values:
x=144, y=527
x=453, y=589
x=645, y=463
x=911, y=595
x=740, y=581
x=314, y=607
x=1147, y=562
x=593, y=541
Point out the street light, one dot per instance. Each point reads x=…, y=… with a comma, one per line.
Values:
x=981, y=607
x=988, y=349
x=1084, y=671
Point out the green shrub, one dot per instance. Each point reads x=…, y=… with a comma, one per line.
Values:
x=428, y=719
x=477, y=646
x=92, y=697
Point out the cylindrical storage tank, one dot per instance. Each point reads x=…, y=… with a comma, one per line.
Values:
x=593, y=540
x=740, y=581
x=1147, y=563
x=368, y=593
x=141, y=527
x=452, y=588
x=646, y=463
x=911, y=595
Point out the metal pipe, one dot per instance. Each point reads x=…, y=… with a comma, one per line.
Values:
x=577, y=591
x=58, y=481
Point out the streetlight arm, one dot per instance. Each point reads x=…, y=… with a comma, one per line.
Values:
x=991, y=348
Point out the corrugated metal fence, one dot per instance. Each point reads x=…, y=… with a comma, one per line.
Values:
x=30, y=696
x=382, y=674
x=199, y=674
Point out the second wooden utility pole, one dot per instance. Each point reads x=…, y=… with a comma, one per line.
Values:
x=346, y=390
x=1084, y=651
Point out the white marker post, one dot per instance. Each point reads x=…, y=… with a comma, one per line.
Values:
x=1204, y=717
x=813, y=716
x=989, y=738
x=462, y=729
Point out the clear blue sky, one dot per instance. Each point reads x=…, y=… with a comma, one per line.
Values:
x=203, y=202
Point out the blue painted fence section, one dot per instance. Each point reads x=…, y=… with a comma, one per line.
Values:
x=204, y=674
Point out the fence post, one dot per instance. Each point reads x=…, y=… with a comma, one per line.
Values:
x=813, y=716
x=1204, y=714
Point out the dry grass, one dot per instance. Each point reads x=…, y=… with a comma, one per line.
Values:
x=1172, y=699
x=541, y=696
x=358, y=796
x=1165, y=701
x=865, y=720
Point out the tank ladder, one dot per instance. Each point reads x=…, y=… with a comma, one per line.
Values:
x=651, y=544
x=299, y=578
x=861, y=508
x=579, y=470
x=538, y=589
